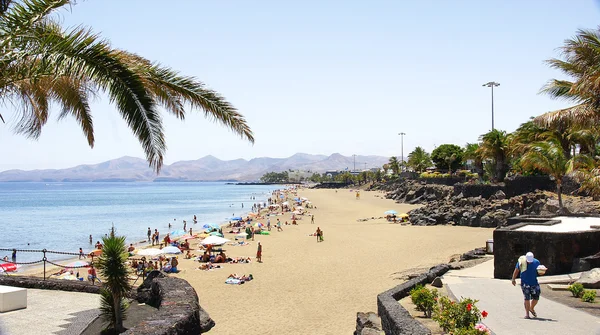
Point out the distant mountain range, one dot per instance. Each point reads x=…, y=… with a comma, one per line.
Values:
x=207, y=168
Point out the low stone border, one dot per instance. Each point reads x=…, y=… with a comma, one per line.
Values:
x=179, y=310
x=396, y=320
x=49, y=284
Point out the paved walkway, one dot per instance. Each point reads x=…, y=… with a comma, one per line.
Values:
x=504, y=303
x=52, y=313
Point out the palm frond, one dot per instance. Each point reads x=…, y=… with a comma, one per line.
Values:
x=92, y=59
x=21, y=16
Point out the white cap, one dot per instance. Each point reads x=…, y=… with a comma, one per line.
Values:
x=529, y=257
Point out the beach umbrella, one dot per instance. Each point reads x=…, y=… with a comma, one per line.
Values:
x=212, y=225
x=178, y=232
x=390, y=212
x=203, y=235
x=149, y=252
x=216, y=233
x=77, y=264
x=8, y=267
x=296, y=212
x=258, y=224
x=304, y=198
x=236, y=218
x=285, y=203
x=403, y=215
x=171, y=250
x=96, y=252
x=214, y=240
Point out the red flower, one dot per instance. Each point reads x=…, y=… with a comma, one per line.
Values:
x=469, y=306
x=484, y=314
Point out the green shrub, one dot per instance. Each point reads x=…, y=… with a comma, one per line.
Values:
x=576, y=290
x=588, y=296
x=455, y=316
x=424, y=299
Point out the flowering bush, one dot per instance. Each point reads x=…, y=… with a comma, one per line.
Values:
x=424, y=299
x=460, y=316
x=478, y=329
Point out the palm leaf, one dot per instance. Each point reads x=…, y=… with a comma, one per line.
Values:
x=581, y=115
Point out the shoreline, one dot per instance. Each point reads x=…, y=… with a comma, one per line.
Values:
x=298, y=276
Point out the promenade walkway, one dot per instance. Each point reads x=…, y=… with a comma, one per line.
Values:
x=51, y=312
x=504, y=303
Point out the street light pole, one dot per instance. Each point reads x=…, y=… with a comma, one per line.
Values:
x=402, y=152
x=354, y=163
x=492, y=84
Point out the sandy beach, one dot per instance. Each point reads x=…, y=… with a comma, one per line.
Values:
x=317, y=288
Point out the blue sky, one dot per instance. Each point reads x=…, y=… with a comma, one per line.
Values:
x=323, y=76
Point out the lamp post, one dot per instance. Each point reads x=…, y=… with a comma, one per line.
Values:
x=492, y=84
x=402, y=152
x=354, y=163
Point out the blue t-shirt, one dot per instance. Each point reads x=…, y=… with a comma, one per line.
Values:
x=529, y=276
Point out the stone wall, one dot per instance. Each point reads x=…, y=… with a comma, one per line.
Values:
x=49, y=284
x=179, y=310
x=476, y=190
x=395, y=320
x=441, y=181
x=560, y=252
x=524, y=184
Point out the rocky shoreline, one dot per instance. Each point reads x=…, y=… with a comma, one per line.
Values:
x=448, y=205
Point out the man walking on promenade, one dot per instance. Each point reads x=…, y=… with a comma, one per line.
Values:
x=527, y=267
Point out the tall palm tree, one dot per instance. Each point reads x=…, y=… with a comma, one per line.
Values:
x=114, y=272
x=394, y=165
x=581, y=60
x=41, y=63
x=495, y=146
x=419, y=160
x=549, y=157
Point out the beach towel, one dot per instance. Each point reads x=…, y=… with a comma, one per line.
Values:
x=234, y=281
x=265, y=232
x=522, y=264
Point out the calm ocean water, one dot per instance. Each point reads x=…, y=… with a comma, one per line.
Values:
x=61, y=216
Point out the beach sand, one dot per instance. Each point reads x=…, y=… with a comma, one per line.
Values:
x=305, y=287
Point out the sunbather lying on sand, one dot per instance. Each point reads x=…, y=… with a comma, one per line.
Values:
x=209, y=266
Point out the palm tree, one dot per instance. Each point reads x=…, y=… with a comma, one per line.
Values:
x=472, y=152
x=114, y=272
x=494, y=145
x=549, y=157
x=394, y=164
x=450, y=160
x=41, y=63
x=581, y=57
x=419, y=160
